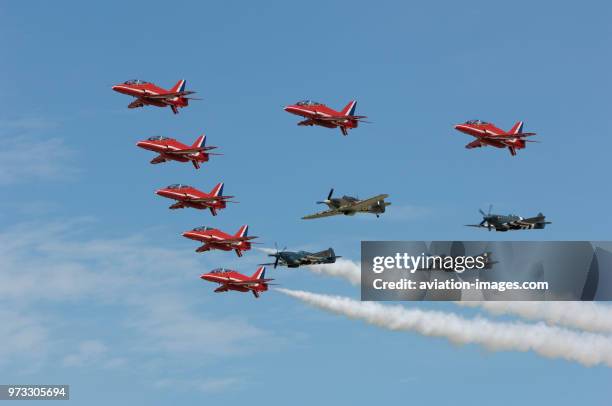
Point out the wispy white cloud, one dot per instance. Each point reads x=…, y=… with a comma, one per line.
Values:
x=220, y=384
x=19, y=125
x=28, y=153
x=168, y=324
x=60, y=263
x=204, y=385
x=24, y=338
x=92, y=353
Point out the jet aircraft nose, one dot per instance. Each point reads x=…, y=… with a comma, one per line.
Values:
x=162, y=192
x=188, y=234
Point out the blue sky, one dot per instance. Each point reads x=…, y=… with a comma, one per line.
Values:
x=99, y=286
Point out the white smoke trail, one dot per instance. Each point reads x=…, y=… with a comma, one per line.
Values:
x=587, y=316
x=553, y=342
x=342, y=268
x=267, y=250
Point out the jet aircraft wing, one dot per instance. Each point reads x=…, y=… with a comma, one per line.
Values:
x=171, y=95
x=509, y=136
x=136, y=103
x=209, y=199
x=338, y=118
x=474, y=144
x=185, y=151
x=246, y=283
x=239, y=239
x=158, y=160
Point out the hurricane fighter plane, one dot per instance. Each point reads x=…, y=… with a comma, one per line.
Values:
x=292, y=259
x=321, y=115
x=510, y=222
x=170, y=149
x=232, y=280
x=215, y=239
x=188, y=196
x=349, y=206
x=148, y=94
x=489, y=134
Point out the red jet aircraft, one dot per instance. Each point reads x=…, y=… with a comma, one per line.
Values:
x=170, y=149
x=188, y=196
x=214, y=239
x=319, y=114
x=149, y=94
x=488, y=134
x=232, y=280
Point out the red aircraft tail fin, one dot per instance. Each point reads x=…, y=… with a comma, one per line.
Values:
x=260, y=273
x=517, y=128
x=200, y=142
x=243, y=231
x=349, y=109
x=179, y=87
x=217, y=190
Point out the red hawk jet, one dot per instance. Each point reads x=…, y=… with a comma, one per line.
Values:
x=232, y=280
x=148, y=94
x=215, y=239
x=319, y=114
x=170, y=149
x=188, y=196
x=488, y=134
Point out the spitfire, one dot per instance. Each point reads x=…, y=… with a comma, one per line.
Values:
x=188, y=196
x=148, y=94
x=215, y=239
x=510, y=222
x=321, y=115
x=292, y=259
x=232, y=280
x=170, y=149
x=349, y=206
x=489, y=134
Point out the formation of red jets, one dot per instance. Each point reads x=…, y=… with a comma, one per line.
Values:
x=314, y=114
x=170, y=149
